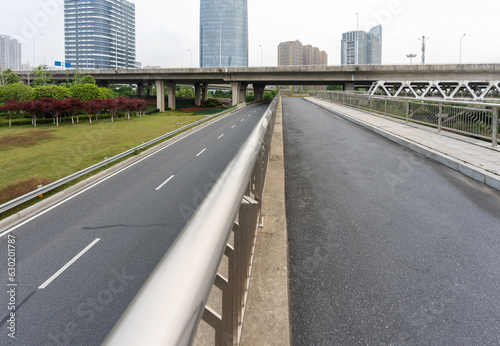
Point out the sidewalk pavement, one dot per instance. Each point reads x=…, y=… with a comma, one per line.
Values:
x=474, y=158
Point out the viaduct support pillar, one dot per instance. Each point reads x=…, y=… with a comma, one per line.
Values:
x=239, y=91
x=140, y=89
x=171, y=95
x=160, y=95
x=150, y=89
x=349, y=86
x=204, y=93
x=258, y=92
x=197, y=94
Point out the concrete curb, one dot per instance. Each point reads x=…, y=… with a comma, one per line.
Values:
x=267, y=320
x=463, y=167
x=30, y=211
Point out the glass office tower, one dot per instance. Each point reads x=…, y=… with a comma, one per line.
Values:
x=223, y=33
x=362, y=48
x=99, y=34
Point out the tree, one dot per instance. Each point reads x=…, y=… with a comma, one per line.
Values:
x=80, y=78
x=10, y=107
x=142, y=106
x=17, y=91
x=42, y=76
x=8, y=77
x=73, y=106
x=35, y=108
x=86, y=92
x=85, y=79
x=334, y=87
x=184, y=92
x=125, y=91
x=51, y=91
x=269, y=95
x=54, y=107
x=108, y=93
x=94, y=106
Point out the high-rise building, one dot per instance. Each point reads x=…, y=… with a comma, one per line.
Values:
x=99, y=34
x=10, y=53
x=293, y=53
x=290, y=53
x=223, y=33
x=361, y=47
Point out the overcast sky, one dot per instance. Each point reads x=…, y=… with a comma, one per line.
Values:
x=165, y=30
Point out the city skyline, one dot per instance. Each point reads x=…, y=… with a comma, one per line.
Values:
x=164, y=36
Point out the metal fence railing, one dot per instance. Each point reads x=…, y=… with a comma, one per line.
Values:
x=170, y=305
x=469, y=118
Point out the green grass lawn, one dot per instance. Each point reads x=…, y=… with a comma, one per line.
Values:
x=30, y=156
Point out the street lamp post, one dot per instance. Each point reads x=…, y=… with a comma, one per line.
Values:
x=189, y=50
x=411, y=56
x=261, y=56
x=34, y=49
x=461, y=47
x=357, y=39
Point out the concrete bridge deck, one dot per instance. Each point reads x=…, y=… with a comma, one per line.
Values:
x=268, y=313
x=349, y=76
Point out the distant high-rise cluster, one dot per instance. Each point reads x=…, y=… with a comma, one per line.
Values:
x=293, y=53
x=362, y=48
x=10, y=53
x=99, y=34
x=223, y=33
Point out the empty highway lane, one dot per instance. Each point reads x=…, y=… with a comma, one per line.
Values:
x=386, y=246
x=81, y=262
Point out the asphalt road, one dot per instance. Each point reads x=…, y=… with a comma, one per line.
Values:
x=386, y=246
x=120, y=229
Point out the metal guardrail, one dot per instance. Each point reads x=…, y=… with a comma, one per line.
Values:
x=47, y=188
x=477, y=119
x=170, y=305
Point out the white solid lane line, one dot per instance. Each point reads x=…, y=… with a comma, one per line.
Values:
x=233, y=126
x=67, y=265
x=220, y=136
x=166, y=181
x=201, y=152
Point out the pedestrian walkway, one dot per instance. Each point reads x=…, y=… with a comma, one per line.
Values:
x=474, y=158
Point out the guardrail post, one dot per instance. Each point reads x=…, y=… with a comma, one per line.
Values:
x=407, y=111
x=440, y=116
x=370, y=98
x=385, y=106
x=240, y=261
x=229, y=308
x=494, y=133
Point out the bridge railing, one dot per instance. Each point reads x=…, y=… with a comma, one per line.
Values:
x=170, y=305
x=475, y=119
